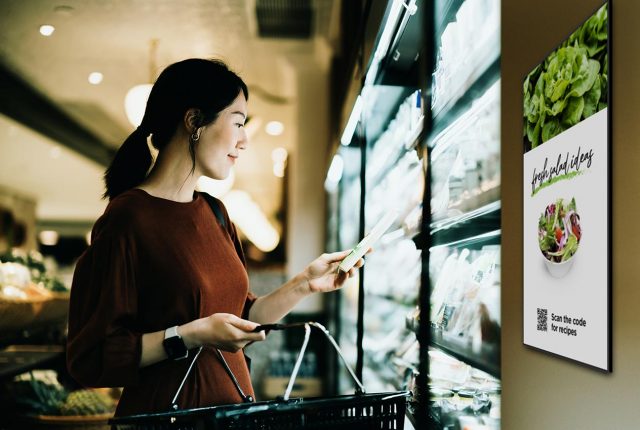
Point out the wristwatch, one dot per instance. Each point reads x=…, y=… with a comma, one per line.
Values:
x=174, y=345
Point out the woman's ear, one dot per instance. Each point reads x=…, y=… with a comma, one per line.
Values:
x=192, y=120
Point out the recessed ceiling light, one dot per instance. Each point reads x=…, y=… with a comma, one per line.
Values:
x=55, y=152
x=47, y=30
x=95, y=78
x=279, y=155
x=274, y=128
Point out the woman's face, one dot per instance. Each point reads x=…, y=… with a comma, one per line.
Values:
x=221, y=141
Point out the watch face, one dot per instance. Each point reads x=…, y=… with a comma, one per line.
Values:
x=175, y=347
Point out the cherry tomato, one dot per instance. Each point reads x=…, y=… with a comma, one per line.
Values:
x=558, y=234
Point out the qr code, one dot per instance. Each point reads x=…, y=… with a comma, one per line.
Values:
x=542, y=319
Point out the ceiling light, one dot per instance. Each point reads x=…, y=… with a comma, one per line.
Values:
x=249, y=218
x=274, y=128
x=47, y=30
x=135, y=102
x=95, y=78
x=48, y=237
x=216, y=187
x=279, y=155
x=278, y=169
x=334, y=174
x=55, y=152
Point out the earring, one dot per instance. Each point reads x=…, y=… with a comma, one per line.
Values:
x=195, y=136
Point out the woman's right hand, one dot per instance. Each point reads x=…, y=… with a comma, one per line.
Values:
x=226, y=332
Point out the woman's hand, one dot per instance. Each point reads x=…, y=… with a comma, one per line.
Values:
x=223, y=331
x=322, y=274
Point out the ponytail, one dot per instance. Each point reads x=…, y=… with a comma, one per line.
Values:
x=130, y=165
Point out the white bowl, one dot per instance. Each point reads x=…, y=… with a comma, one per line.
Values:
x=558, y=270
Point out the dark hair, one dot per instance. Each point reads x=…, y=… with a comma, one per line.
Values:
x=206, y=85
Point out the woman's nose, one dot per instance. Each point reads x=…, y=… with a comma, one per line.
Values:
x=243, y=142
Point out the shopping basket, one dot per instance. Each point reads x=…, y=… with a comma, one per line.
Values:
x=359, y=411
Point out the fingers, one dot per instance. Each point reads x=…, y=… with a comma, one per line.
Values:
x=334, y=257
x=244, y=325
x=244, y=329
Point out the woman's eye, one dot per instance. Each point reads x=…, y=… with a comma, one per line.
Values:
x=240, y=125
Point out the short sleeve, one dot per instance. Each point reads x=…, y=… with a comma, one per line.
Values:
x=103, y=348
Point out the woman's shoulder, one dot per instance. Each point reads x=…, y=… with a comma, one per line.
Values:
x=126, y=204
x=123, y=211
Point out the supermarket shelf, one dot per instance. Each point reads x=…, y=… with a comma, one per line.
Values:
x=448, y=137
x=410, y=143
x=400, y=66
x=414, y=137
x=446, y=14
x=385, y=101
x=477, y=223
x=487, y=360
x=474, y=242
x=484, y=219
x=18, y=359
x=395, y=300
x=482, y=79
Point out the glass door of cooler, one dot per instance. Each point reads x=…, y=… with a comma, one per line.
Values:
x=393, y=121
x=391, y=124
x=463, y=144
x=344, y=230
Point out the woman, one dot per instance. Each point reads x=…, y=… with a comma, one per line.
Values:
x=162, y=276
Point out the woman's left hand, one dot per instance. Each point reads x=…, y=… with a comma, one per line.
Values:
x=323, y=275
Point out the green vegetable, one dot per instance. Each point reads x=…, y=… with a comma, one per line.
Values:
x=37, y=397
x=570, y=85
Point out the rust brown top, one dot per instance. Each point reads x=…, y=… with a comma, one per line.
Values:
x=152, y=264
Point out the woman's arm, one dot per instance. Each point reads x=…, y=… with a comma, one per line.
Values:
x=231, y=333
x=223, y=331
x=321, y=275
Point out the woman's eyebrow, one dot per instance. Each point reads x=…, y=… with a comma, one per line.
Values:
x=239, y=113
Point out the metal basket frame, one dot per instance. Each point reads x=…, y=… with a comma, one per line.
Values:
x=359, y=411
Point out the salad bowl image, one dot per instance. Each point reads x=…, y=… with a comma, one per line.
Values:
x=559, y=235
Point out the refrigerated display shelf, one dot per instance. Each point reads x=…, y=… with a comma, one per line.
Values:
x=487, y=359
x=407, y=145
x=488, y=215
x=473, y=235
x=451, y=135
x=396, y=300
x=392, y=379
x=481, y=80
x=445, y=15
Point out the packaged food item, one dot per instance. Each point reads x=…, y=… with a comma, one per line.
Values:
x=367, y=242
